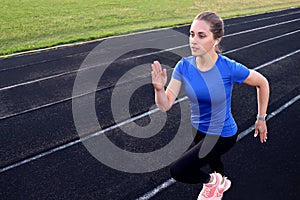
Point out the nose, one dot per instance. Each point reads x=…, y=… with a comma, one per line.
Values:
x=192, y=40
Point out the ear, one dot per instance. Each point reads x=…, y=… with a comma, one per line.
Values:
x=216, y=42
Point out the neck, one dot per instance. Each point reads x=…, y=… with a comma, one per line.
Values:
x=207, y=61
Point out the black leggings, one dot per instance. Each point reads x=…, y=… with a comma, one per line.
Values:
x=187, y=168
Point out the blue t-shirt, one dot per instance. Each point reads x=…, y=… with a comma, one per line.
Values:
x=210, y=92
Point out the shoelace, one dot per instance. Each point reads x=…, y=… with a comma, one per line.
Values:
x=219, y=191
x=218, y=194
x=206, y=191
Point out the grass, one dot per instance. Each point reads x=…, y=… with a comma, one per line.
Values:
x=32, y=24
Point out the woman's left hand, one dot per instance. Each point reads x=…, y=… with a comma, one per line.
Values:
x=261, y=130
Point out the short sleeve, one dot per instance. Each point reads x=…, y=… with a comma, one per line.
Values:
x=177, y=73
x=239, y=73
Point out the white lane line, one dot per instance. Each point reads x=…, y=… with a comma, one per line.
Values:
x=43, y=61
x=270, y=116
x=97, y=133
x=62, y=147
x=148, y=54
x=156, y=190
x=280, y=58
x=70, y=98
x=262, y=41
x=82, y=53
x=171, y=181
x=36, y=80
x=263, y=27
x=140, y=32
x=261, y=19
x=170, y=49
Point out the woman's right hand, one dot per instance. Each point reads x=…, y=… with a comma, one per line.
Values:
x=159, y=76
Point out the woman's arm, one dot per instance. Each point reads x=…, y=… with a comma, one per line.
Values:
x=262, y=86
x=164, y=99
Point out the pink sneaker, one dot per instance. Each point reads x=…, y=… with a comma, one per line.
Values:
x=224, y=186
x=209, y=189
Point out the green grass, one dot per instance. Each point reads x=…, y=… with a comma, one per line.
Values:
x=32, y=24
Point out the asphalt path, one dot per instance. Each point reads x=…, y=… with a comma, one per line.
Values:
x=43, y=157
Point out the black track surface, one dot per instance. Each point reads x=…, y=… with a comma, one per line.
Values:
x=36, y=117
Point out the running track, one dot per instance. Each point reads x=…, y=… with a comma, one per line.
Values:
x=42, y=156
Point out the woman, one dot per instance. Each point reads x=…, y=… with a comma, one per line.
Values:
x=202, y=74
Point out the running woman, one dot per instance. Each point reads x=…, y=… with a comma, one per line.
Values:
x=208, y=78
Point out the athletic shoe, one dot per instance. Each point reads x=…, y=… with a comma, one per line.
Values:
x=224, y=186
x=209, y=189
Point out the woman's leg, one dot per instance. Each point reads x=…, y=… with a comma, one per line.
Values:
x=187, y=168
x=216, y=165
x=224, y=145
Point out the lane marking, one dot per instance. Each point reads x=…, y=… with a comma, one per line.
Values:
x=171, y=181
x=263, y=27
x=261, y=19
x=156, y=190
x=262, y=41
x=148, y=54
x=280, y=58
x=270, y=116
x=74, y=97
x=62, y=147
x=142, y=32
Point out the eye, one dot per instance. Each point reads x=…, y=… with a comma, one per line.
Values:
x=192, y=34
x=201, y=36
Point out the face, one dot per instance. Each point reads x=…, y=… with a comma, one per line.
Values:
x=201, y=38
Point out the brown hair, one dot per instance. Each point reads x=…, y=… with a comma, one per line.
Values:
x=216, y=25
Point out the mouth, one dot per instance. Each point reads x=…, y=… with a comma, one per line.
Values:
x=194, y=48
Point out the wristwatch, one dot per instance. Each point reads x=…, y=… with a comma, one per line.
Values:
x=262, y=118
